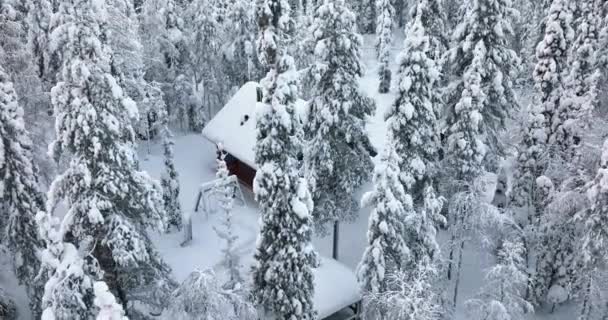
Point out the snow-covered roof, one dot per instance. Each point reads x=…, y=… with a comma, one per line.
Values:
x=336, y=287
x=234, y=124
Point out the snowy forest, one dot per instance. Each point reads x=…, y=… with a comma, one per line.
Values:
x=304, y=159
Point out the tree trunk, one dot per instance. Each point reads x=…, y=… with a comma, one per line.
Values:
x=458, y=269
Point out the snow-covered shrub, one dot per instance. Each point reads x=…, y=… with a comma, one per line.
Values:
x=201, y=297
x=410, y=296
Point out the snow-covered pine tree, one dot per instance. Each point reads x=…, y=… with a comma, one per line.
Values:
x=338, y=158
x=384, y=40
x=110, y=203
x=68, y=293
x=242, y=61
x=412, y=119
x=592, y=246
x=20, y=196
x=503, y=294
x=201, y=296
x=551, y=54
x=39, y=19
x=366, y=15
x=465, y=152
x=433, y=19
x=573, y=115
x=413, y=124
x=485, y=30
x=386, y=251
x=282, y=273
x=225, y=192
x=169, y=179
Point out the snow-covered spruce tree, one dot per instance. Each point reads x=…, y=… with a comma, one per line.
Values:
x=384, y=40
x=485, y=31
x=68, y=293
x=433, y=19
x=412, y=119
x=108, y=307
x=169, y=179
x=225, y=193
x=282, y=273
x=201, y=296
x=410, y=296
x=551, y=54
x=241, y=59
x=573, y=115
x=39, y=19
x=366, y=15
x=20, y=197
x=110, y=203
x=413, y=124
x=338, y=158
x=503, y=295
x=386, y=250
x=465, y=152
x=592, y=246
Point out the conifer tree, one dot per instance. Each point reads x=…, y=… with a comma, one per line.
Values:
x=551, y=54
x=68, y=293
x=108, y=308
x=284, y=257
x=169, y=179
x=433, y=19
x=485, y=31
x=20, y=197
x=412, y=118
x=593, y=250
x=386, y=251
x=226, y=192
x=39, y=19
x=366, y=16
x=338, y=158
x=384, y=37
x=413, y=123
x=110, y=203
x=580, y=97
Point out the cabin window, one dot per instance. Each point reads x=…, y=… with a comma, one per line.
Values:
x=259, y=94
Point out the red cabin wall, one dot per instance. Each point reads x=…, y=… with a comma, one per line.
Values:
x=242, y=171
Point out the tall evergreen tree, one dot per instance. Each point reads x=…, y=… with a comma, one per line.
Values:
x=386, y=251
x=384, y=40
x=20, y=197
x=593, y=250
x=434, y=19
x=574, y=112
x=39, y=19
x=485, y=30
x=338, y=158
x=413, y=122
x=366, y=14
x=109, y=202
x=284, y=257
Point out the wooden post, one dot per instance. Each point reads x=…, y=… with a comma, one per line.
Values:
x=334, y=253
x=187, y=232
